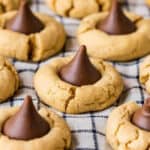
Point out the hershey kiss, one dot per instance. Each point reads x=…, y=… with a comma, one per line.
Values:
x=141, y=117
x=24, y=21
x=26, y=124
x=116, y=23
x=80, y=70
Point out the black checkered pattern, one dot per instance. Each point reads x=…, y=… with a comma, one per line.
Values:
x=88, y=130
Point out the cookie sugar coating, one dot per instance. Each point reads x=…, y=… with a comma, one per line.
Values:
x=58, y=138
x=8, y=5
x=115, y=47
x=78, y=8
x=7, y=73
x=78, y=99
x=144, y=76
x=122, y=134
x=32, y=47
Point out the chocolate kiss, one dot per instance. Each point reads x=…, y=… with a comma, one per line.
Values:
x=116, y=22
x=26, y=124
x=80, y=71
x=25, y=21
x=141, y=117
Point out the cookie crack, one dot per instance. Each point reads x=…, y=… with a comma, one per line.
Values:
x=65, y=143
x=30, y=51
x=116, y=132
x=120, y=125
x=48, y=115
x=100, y=5
x=3, y=8
x=16, y=83
x=13, y=72
x=67, y=13
x=145, y=78
x=110, y=93
x=5, y=65
x=70, y=98
x=131, y=141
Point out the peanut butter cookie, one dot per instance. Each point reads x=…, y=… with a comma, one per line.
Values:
x=30, y=37
x=74, y=97
x=78, y=8
x=109, y=37
x=122, y=133
x=25, y=128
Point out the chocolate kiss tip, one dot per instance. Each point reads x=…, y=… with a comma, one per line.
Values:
x=141, y=117
x=80, y=71
x=24, y=22
x=26, y=124
x=116, y=23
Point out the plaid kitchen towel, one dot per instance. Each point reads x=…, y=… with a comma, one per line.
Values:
x=88, y=130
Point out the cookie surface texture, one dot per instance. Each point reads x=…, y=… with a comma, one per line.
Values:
x=115, y=47
x=78, y=99
x=122, y=134
x=8, y=5
x=78, y=8
x=58, y=138
x=33, y=47
x=7, y=73
x=145, y=73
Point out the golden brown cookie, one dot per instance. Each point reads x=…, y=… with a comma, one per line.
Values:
x=58, y=137
x=8, y=5
x=78, y=8
x=115, y=47
x=78, y=99
x=35, y=47
x=9, y=80
x=122, y=134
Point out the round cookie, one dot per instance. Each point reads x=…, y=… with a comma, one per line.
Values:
x=8, y=5
x=115, y=47
x=58, y=137
x=9, y=80
x=73, y=99
x=35, y=46
x=122, y=134
x=144, y=73
x=78, y=8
